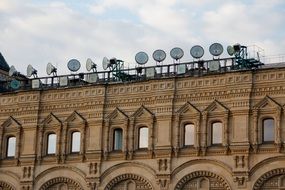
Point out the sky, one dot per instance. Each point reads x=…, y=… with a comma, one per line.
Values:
x=37, y=32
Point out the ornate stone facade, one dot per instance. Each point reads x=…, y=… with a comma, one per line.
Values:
x=240, y=156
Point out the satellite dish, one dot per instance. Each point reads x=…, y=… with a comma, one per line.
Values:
x=176, y=53
x=105, y=63
x=50, y=69
x=12, y=71
x=15, y=84
x=90, y=65
x=159, y=55
x=141, y=58
x=216, y=49
x=197, y=52
x=31, y=71
x=73, y=65
x=230, y=50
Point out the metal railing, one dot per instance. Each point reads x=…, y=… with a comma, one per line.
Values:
x=188, y=69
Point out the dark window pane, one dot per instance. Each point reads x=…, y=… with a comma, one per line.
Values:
x=217, y=133
x=51, y=149
x=189, y=133
x=118, y=139
x=75, y=145
x=11, y=147
x=143, y=137
x=268, y=130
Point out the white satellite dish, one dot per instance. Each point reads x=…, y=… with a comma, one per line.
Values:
x=12, y=71
x=31, y=71
x=176, y=53
x=50, y=69
x=90, y=65
x=216, y=49
x=197, y=52
x=106, y=63
x=141, y=58
x=230, y=50
x=73, y=65
x=159, y=55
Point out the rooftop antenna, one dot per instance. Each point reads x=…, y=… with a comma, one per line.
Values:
x=13, y=71
x=50, y=69
x=159, y=55
x=197, y=52
x=91, y=77
x=31, y=71
x=73, y=65
x=90, y=65
x=176, y=53
x=230, y=50
x=116, y=66
x=141, y=59
x=216, y=49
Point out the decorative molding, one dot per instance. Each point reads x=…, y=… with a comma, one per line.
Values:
x=51, y=119
x=11, y=121
x=6, y=186
x=267, y=101
x=261, y=180
x=53, y=181
x=196, y=174
x=123, y=177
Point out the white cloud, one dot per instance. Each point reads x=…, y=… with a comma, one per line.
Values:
x=38, y=33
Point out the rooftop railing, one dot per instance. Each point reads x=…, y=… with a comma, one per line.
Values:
x=160, y=71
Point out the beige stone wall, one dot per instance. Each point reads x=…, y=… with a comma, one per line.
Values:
x=240, y=100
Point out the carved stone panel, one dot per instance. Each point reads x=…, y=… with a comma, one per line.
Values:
x=129, y=182
x=202, y=180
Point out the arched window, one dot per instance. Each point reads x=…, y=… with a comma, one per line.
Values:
x=118, y=139
x=268, y=131
x=217, y=133
x=75, y=141
x=11, y=147
x=51, y=143
x=189, y=132
x=143, y=137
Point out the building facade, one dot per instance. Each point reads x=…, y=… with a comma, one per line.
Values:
x=221, y=131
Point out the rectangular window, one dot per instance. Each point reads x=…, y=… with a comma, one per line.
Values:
x=51, y=146
x=143, y=137
x=217, y=133
x=75, y=145
x=268, y=130
x=11, y=147
x=189, y=132
x=118, y=139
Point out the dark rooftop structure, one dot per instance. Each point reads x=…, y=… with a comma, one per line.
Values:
x=3, y=64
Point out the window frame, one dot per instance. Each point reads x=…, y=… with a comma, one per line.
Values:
x=184, y=135
x=7, y=146
x=263, y=132
x=139, y=138
x=47, y=144
x=71, y=142
x=212, y=133
x=114, y=139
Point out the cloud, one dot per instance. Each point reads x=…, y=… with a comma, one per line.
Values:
x=55, y=31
